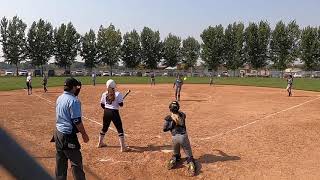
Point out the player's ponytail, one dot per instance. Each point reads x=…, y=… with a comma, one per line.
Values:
x=111, y=96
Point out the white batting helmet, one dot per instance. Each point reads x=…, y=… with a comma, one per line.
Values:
x=111, y=83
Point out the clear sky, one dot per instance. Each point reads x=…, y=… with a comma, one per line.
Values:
x=181, y=17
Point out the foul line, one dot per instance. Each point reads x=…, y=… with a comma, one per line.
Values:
x=51, y=102
x=243, y=126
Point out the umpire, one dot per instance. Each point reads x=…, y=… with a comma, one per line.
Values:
x=68, y=124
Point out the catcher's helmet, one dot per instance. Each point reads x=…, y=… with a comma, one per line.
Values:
x=174, y=106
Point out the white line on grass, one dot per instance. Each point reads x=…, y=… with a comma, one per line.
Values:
x=253, y=122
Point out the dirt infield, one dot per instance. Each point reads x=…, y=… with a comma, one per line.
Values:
x=236, y=132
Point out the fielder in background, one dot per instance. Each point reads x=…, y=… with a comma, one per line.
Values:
x=45, y=82
x=211, y=79
x=153, y=79
x=68, y=124
x=176, y=124
x=29, y=83
x=178, y=85
x=289, y=86
x=94, y=76
x=111, y=100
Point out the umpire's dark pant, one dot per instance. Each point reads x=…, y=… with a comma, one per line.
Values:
x=68, y=147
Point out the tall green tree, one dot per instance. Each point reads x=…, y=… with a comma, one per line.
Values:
x=131, y=49
x=171, y=50
x=310, y=48
x=190, y=52
x=213, y=46
x=233, y=46
x=150, y=48
x=257, y=39
x=89, y=50
x=66, y=45
x=251, y=45
x=40, y=43
x=318, y=51
x=13, y=40
x=109, y=45
x=280, y=46
x=294, y=34
x=284, y=44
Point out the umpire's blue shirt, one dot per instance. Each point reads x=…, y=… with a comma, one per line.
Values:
x=68, y=112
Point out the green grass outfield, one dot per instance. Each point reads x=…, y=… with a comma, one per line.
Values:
x=12, y=83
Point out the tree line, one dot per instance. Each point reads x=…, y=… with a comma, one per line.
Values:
x=233, y=46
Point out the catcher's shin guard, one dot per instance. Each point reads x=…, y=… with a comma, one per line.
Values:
x=123, y=147
x=101, y=143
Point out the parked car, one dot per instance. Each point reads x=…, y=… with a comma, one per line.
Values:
x=316, y=74
x=139, y=74
x=126, y=73
x=253, y=73
x=146, y=74
x=298, y=74
x=23, y=73
x=67, y=72
x=224, y=74
x=8, y=73
x=106, y=73
x=51, y=73
x=116, y=74
x=98, y=73
x=165, y=74
x=37, y=72
x=79, y=73
x=193, y=74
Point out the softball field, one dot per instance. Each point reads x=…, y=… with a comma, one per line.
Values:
x=235, y=132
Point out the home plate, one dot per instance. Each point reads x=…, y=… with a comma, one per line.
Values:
x=106, y=160
x=167, y=150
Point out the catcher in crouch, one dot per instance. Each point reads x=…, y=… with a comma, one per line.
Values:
x=175, y=123
x=111, y=100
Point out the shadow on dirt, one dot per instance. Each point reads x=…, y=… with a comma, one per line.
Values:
x=90, y=174
x=213, y=158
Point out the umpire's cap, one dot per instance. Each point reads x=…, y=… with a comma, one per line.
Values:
x=71, y=82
